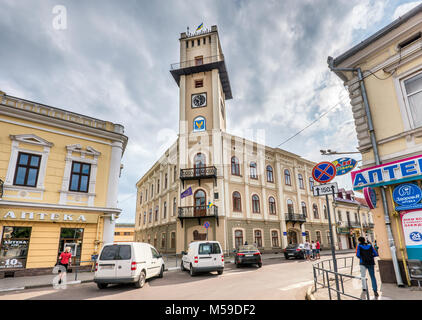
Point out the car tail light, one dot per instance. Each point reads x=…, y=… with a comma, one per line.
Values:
x=196, y=260
x=222, y=258
x=96, y=266
x=240, y=254
x=133, y=266
x=257, y=254
x=297, y=249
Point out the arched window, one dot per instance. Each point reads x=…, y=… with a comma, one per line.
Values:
x=315, y=210
x=165, y=181
x=199, y=124
x=301, y=185
x=255, y=204
x=287, y=179
x=325, y=212
x=237, y=201
x=152, y=191
x=165, y=210
x=174, y=206
x=235, y=166
x=199, y=164
x=156, y=213
x=253, y=174
x=307, y=237
x=339, y=215
x=290, y=207
x=140, y=198
x=270, y=176
x=304, y=210
x=271, y=205
x=150, y=216
x=200, y=203
x=258, y=238
x=311, y=184
x=238, y=238
x=145, y=217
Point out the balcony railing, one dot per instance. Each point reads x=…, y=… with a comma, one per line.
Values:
x=295, y=217
x=198, y=174
x=354, y=224
x=196, y=62
x=197, y=212
x=371, y=225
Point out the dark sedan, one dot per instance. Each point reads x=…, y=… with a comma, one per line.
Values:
x=247, y=255
x=295, y=250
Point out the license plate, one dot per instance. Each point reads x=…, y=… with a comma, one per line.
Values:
x=291, y=254
x=107, y=267
x=249, y=255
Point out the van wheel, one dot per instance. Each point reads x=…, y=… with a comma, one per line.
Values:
x=191, y=271
x=182, y=267
x=220, y=272
x=102, y=285
x=161, y=272
x=140, y=283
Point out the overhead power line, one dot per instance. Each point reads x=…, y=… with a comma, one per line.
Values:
x=312, y=123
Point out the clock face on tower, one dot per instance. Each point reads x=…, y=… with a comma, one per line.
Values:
x=199, y=100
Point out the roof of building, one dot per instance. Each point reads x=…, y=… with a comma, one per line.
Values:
x=125, y=225
x=393, y=25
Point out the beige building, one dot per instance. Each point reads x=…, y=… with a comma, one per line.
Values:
x=124, y=232
x=384, y=77
x=245, y=190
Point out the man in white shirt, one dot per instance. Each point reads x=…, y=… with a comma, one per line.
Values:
x=307, y=247
x=313, y=246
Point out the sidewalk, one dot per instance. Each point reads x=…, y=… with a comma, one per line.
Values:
x=171, y=263
x=353, y=287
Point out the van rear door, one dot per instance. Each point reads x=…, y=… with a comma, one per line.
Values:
x=107, y=261
x=124, y=261
x=206, y=255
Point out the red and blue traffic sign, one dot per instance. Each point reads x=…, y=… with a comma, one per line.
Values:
x=324, y=172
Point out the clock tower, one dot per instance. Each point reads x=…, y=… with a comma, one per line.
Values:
x=204, y=87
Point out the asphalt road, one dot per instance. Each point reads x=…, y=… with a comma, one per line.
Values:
x=277, y=279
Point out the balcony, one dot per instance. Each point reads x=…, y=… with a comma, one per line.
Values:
x=295, y=217
x=203, y=65
x=198, y=174
x=198, y=212
x=354, y=224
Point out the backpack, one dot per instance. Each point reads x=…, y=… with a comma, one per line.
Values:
x=366, y=256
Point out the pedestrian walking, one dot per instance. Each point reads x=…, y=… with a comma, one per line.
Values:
x=65, y=260
x=318, y=249
x=307, y=247
x=366, y=253
x=313, y=246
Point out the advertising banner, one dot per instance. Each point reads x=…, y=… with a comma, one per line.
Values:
x=412, y=230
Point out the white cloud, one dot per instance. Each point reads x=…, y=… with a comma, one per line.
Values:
x=404, y=8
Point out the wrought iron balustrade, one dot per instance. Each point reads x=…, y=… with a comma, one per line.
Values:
x=295, y=217
x=197, y=212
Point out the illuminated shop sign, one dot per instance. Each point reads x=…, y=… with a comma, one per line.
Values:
x=390, y=173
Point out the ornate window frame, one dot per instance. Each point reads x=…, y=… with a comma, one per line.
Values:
x=67, y=196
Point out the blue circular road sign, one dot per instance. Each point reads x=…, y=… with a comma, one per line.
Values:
x=324, y=172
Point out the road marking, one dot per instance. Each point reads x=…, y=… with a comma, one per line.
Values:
x=297, y=285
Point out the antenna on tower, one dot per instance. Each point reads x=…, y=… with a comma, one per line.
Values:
x=187, y=30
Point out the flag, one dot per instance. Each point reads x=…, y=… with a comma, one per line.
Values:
x=186, y=193
x=200, y=27
x=210, y=204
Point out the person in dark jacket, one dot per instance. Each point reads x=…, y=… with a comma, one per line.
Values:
x=366, y=254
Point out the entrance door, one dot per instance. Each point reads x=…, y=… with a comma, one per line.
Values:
x=291, y=237
x=200, y=208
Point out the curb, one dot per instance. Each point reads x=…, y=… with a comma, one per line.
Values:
x=37, y=286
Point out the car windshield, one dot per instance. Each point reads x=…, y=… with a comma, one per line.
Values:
x=248, y=249
x=209, y=248
x=116, y=252
x=293, y=246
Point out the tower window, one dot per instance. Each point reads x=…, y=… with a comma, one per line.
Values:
x=199, y=60
x=199, y=83
x=193, y=43
x=204, y=40
x=187, y=44
x=199, y=42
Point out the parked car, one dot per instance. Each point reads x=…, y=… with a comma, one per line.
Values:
x=247, y=255
x=127, y=262
x=203, y=256
x=295, y=250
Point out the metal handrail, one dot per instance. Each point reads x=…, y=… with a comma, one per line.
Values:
x=198, y=211
x=194, y=62
x=198, y=172
x=295, y=217
x=318, y=269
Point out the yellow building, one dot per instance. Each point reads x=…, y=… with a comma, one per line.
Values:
x=383, y=75
x=124, y=232
x=60, y=172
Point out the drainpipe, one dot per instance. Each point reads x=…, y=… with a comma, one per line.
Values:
x=377, y=162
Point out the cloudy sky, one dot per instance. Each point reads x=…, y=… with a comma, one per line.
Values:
x=112, y=62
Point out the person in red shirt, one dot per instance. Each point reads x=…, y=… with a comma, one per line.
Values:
x=318, y=249
x=65, y=260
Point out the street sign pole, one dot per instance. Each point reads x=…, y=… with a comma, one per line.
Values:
x=333, y=250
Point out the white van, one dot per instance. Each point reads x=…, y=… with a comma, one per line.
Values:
x=127, y=262
x=203, y=256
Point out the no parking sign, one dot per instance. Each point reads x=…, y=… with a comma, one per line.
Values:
x=324, y=172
